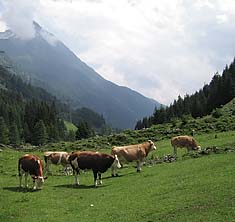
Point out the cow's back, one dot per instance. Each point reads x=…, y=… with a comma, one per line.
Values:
x=183, y=141
x=30, y=164
x=128, y=153
x=92, y=160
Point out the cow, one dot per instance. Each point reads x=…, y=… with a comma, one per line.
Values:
x=31, y=164
x=97, y=162
x=184, y=141
x=137, y=152
x=57, y=158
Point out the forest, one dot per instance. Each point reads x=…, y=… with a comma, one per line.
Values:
x=29, y=114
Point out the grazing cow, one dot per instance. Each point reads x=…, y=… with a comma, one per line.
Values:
x=136, y=152
x=97, y=162
x=57, y=158
x=184, y=141
x=31, y=164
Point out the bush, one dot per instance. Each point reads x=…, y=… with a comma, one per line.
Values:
x=216, y=113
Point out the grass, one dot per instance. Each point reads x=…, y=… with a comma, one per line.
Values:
x=200, y=189
x=70, y=126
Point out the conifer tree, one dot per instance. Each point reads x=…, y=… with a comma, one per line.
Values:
x=4, y=133
x=83, y=131
x=40, y=135
x=14, y=135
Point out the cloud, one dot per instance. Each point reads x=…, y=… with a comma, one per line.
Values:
x=159, y=48
x=18, y=16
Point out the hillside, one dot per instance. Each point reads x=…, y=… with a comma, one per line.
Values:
x=70, y=79
x=221, y=120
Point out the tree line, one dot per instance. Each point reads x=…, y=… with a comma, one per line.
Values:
x=29, y=114
x=217, y=93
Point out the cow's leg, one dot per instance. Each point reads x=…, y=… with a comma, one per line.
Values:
x=34, y=184
x=114, y=171
x=26, y=179
x=175, y=151
x=47, y=167
x=95, y=178
x=99, y=179
x=139, y=163
x=65, y=169
x=20, y=177
x=76, y=177
x=46, y=159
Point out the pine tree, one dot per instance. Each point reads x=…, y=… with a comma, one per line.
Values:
x=71, y=136
x=83, y=131
x=40, y=135
x=27, y=134
x=14, y=135
x=4, y=133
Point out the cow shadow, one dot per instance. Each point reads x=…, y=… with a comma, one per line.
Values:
x=118, y=176
x=20, y=189
x=81, y=186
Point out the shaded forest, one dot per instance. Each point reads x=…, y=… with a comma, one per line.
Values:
x=27, y=114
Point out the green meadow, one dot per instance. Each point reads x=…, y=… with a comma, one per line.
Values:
x=190, y=189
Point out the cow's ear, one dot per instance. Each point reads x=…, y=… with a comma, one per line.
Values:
x=45, y=177
x=34, y=177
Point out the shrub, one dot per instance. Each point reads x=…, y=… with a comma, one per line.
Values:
x=216, y=113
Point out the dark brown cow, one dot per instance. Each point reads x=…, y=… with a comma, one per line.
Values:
x=97, y=162
x=31, y=164
x=130, y=153
x=57, y=158
x=184, y=141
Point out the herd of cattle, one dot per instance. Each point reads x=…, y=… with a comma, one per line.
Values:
x=99, y=163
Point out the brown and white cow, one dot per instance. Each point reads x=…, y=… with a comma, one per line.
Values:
x=31, y=164
x=57, y=158
x=184, y=141
x=137, y=152
x=97, y=162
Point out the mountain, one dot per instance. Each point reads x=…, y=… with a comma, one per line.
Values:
x=61, y=72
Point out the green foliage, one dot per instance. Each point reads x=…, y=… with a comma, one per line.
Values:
x=92, y=118
x=40, y=135
x=70, y=126
x=22, y=106
x=71, y=136
x=14, y=135
x=4, y=133
x=84, y=131
x=216, y=113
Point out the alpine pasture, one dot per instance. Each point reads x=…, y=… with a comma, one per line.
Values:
x=190, y=189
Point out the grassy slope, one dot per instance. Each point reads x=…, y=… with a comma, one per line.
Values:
x=200, y=189
x=70, y=126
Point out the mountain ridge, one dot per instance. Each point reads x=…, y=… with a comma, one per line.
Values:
x=69, y=77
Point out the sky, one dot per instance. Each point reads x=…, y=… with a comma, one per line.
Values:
x=161, y=49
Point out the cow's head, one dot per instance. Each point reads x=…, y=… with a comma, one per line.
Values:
x=116, y=163
x=198, y=148
x=153, y=147
x=39, y=181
